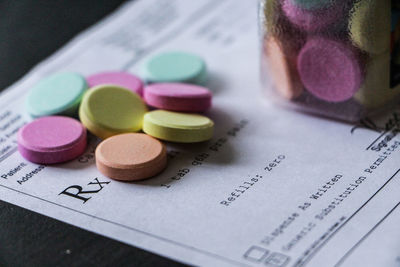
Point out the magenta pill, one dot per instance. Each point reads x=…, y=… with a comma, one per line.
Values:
x=121, y=79
x=330, y=70
x=314, y=19
x=51, y=140
x=178, y=97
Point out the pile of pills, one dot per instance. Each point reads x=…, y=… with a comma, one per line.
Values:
x=330, y=50
x=114, y=106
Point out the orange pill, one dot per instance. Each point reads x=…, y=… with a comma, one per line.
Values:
x=283, y=69
x=131, y=157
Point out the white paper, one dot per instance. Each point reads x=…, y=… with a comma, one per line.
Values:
x=273, y=187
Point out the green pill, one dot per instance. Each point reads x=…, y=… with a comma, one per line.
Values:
x=175, y=67
x=59, y=94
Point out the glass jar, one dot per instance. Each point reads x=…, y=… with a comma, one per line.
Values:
x=335, y=58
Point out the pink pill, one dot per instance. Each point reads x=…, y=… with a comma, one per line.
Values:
x=50, y=140
x=122, y=79
x=178, y=97
x=330, y=70
x=314, y=19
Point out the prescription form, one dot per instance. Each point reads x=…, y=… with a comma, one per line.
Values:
x=272, y=188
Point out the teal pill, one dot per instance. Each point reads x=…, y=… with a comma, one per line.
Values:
x=313, y=4
x=175, y=67
x=59, y=94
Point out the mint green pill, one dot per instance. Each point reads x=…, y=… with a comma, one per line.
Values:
x=175, y=67
x=59, y=94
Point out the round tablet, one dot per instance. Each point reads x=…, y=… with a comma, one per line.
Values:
x=130, y=157
x=330, y=70
x=178, y=97
x=53, y=139
x=175, y=67
x=58, y=94
x=178, y=127
x=109, y=110
x=282, y=69
x=122, y=79
x=376, y=90
x=370, y=25
x=316, y=19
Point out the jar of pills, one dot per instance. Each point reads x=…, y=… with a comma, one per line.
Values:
x=335, y=58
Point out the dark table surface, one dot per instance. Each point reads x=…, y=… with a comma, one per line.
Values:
x=31, y=30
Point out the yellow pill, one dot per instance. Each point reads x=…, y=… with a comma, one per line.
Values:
x=282, y=68
x=376, y=90
x=109, y=110
x=178, y=127
x=370, y=25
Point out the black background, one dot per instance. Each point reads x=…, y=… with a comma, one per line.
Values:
x=30, y=31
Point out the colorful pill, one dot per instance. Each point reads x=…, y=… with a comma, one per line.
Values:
x=175, y=67
x=313, y=20
x=283, y=69
x=178, y=97
x=50, y=140
x=178, y=127
x=330, y=70
x=376, y=90
x=109, y=110
x=130, y=157
x=121, y=79
x=59, y=94
x=370, y=25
